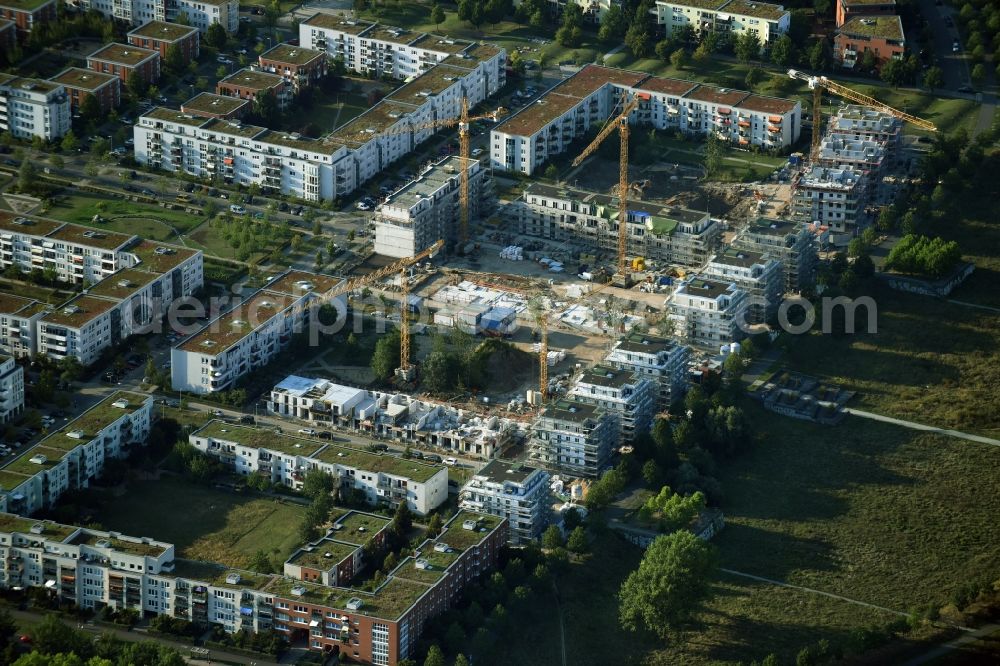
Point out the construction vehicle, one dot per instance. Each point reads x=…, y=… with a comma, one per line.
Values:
x=463, y=122
x=621, y=124
x=820, y=83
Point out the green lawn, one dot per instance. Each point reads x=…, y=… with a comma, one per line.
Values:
x=929, y=362
x=209, y=239
x=128, y=217
x=326, y=114
x=204, y=523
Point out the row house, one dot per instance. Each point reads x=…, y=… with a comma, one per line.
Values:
x=571, y=108
x=514, y=491
x=299, y=66
x=759, y=275
x=11, y=389
x=630, y=397
x=83, y=83
x=33, y=107
x=574, y=438
x=656, y=232
x=792, y=243
x=708, y=313
x=249, y=335
x=427, y=208
x=160, y=36
x=71, y=456
x=199, y=14
x=660, y=359
x=126, y=61
x=380, y=478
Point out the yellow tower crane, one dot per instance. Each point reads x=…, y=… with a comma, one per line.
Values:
x=621, y=124
x=463, y=122
x=406, y=369
x=820, y=83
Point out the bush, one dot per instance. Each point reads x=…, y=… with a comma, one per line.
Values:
x=933, y=257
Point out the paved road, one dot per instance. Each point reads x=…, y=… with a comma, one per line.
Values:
x=961, y=641
x=926, y=428
x=954, y=66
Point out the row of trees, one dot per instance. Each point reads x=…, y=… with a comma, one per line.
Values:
x=933, y=257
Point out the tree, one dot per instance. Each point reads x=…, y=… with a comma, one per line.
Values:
x=672, y=579
x=754, y=76
x=51, y=636
x=473, y=11
x=978, y=73
x=385, y=359
x=651, y=473
x=317, y=484
x=577, y=541
x=783, y=51
x=934, y=78
x=174, y=59
x=440, y=371
x=713, y=155
x=461, y=660
x=638, y=39
x=552, y=538
x=680, y=59
x=894, y=72
x=27, y=176
x=868, y=61
x=663, y=439
x=265, y=107
x=8, y=626
x=216, y=36
x=570, y=32
x=437, y=16
x=551, y=172
x=819, y=56
x=69, y=141
x=435, y=657
x=613, y=24
x=495, y=10
x=702, y=53
x=434, y=525
x=221, y=71
x=746, y=47
x=260, y=563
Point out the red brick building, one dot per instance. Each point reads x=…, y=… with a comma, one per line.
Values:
x=300, y=67
x=27, y=13
x=848, y=9
x=161, y=35
x=79, y=83
x=125, y=61
x=247, y=84
x=209, y=105
x=8, y=35
x=881, y=35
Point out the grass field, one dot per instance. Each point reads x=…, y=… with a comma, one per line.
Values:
x=328, y=114
x=929, y=362
x=209, y=239
x=127, y=217
x=205, y=523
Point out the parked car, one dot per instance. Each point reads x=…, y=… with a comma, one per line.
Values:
x=433, y=457
x=237, y=209
x=325, y=434
x=416, y=454
x=217, y=412
x=955, y=46
x=380, y=447
x=246, y=419
x=364, y=205
x=283, y=207
x=476, y=152
x=298, y=210
x=451, y=461
x=307, y=431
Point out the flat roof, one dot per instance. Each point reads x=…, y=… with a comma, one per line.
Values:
x=11, y=480
x=24, y=5
x=659, y=212
x=123, y=54
x=460, y=538
x=299, y=283
x=94, y=420
x=290, y=53
x=697, y=4
x=295, y=140
x=123, y=283
x=99, y=238
x=732, y=256
x=762, y=10
x=440, y=43
x=229, y=328
x=88, y=538
x=537, y=115
x=372, y=122
x=163, y=31
x=570, y=409
x=83, y=79
x=767, y=104
x=322, y=555
x=434, y=81
x=646, y=343
x=253, y=79
x=382, y=463
x=28, y=225
x=773, y=226
x=166, y=259
x=500, y=471
x=207, y=102
x=79, y=311
x=879, y=27
x=357, y=527
x=713, y=95
x=10, y=522
x=164, y=114
x=472, y=56
x=660, y=84
x=334, y=22
x=234, y=128
x=594, y=77
x=604, y=375
x=11, y=304
x=705, y=288
x=390, y=33
x=24, y=464
x=259, y=438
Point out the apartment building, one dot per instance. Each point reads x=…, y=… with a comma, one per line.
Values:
x=161, y=35
x=395, y=416
x=584, y=101
x=656, y=232
x=708, y=313
x=68, y=458
x=759, y=275
x=835, y=198
x=731, y=17
x=210, y=105
x=882, y=36
x=126, y=61
x=300, y=67
x=631, y=398
x=661, y=359
x=81, y=83
x=859, y=123
x=574, y=438
x=384, y=51
x=236, y=153
x=33, y=107
x=28, y=14
x=19, y=325
x=848, y=9
x=11, y=388
x=865, y=156
x=427, y=209
x=381, y=478
x=791, y=243
x=335, y=559
x=511, y=490
x=249, y=335
x=8, y=35
x=199, y=14
x=248, y=84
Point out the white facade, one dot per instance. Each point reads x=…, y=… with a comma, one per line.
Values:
x=767, y=21
x=11, y=389
x=584, y=101
x=791, y=243
x=513, y=491
x=835, y=198
x=33, y=107
x=663, y=360
x=427, y=209
x=574, y=438
x=287, y=460
x=199, y=13
x=707, y=313
x=73, y=455
x=630, y=397
x=249, y=335
x=757, y=274
x=19, y=325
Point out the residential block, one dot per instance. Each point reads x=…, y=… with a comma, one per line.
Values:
x=81, y=83
x=708, y=313
x=661, y=359
x=511, y=490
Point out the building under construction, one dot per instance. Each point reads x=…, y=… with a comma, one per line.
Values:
x=656, y=232
x=792, y=243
